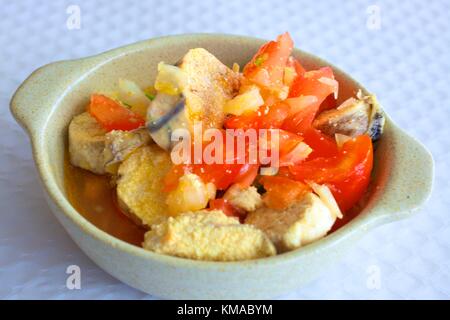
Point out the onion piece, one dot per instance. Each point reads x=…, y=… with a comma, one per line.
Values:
x=296, y=155
x=327, y=197
x=132, y=95
x=170, y=80
x=248, y=101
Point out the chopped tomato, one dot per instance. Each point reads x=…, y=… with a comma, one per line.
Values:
x=113, y=116
x=329, y=103
x=319, y=83
x=275, y=116
x=347, y=173
x=348, y=192
x=222, y=174
x=282, y=191
x=290, y=147
x=337, y=168
x=294, y=63
x=224, y=205
x=247, y=175
x=246, y=121
x=265, y=117
x=266, y=68
x=321, y=144
x=307, y=94
x=304, y=109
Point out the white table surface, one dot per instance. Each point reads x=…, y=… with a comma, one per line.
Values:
x=406, y=62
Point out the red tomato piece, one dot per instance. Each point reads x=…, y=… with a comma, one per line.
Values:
x=282, y=191
x=113, y=116
x=338, y=168
x=221, y=174
x=329, y=103
x=347, y=173
x=294, y=63
x=314, y=83
x=303, y=112
x=267, y=67
x=247, y=175
x=321, y=144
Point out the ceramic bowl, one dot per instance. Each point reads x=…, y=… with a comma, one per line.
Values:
x=48, y=99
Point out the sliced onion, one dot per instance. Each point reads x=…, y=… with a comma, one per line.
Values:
x=327, y=197
x=268, y=171
x=131, y=94
x=296, y=155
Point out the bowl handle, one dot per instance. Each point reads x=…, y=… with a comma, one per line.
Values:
x=36, y=96
x=409, y=181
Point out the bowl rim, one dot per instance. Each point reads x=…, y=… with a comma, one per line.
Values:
x=356, y=227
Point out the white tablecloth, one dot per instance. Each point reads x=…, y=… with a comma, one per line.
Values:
x=404, y=57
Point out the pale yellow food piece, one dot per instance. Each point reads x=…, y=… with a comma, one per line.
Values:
x=301, y=223
x=245, y=199
x=140, y=183
x=191, y=194
x=210, y=85
x=248, y=101
x=208, y=235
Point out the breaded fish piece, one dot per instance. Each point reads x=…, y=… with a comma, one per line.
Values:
x=140, y=183
x=94, y=149
x=303, y=222
x=208, y=235
x=209, y=84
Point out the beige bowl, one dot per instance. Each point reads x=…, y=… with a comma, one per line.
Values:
x=45, y=103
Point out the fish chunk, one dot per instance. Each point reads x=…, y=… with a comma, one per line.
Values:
x=86, y=143
x=301, y=223
x=209, y=85
x=208, y=235
x=94, y=149
x=140, y=183
x=352, y=118
x=120, y=144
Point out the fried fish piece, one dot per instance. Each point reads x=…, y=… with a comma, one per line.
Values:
x=140, y=183
x=207, y=85
x=303, y=222
x=208, y=235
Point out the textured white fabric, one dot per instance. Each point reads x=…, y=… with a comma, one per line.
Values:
x=404, y=60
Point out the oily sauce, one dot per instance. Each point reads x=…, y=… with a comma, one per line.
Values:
x=93, y=196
